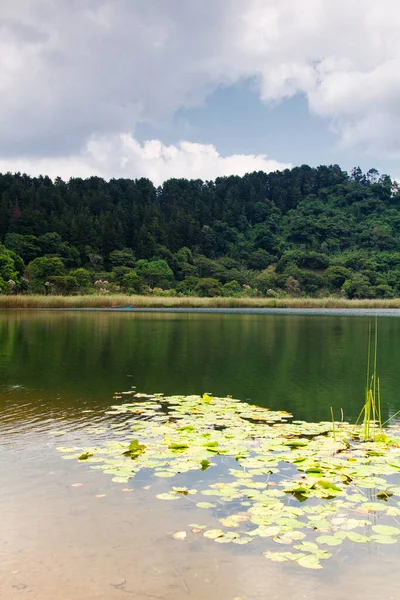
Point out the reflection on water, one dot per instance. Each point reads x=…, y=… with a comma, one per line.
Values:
x=97, y=541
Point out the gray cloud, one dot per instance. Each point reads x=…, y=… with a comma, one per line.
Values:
x=76, y=70
x=100, y=66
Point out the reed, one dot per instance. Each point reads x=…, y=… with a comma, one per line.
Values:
x=371, y=411
x=121, y=300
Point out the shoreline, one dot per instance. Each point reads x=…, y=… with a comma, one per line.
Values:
x=154, y=303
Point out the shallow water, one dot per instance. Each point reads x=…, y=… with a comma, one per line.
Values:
x=96, y=541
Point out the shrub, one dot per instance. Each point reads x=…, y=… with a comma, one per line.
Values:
x=40, y=269
x=82, y=277
x=358, y=287
x=292, y=286
x=62, y=284
x=232, y=288
x=118, y=274
x=336, y=276
x=187, y=286
x=130, y=282
x=208, y=287
x=122, y=258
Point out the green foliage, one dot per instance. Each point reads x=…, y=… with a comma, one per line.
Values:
x=155, y=273
x=25, y=246
x=292, y=286
x=188, y=285
x=358, y=287
x=118, y=273
x=208, y=287
x=3, y=286
x=184, y=255
x=83, y=278
x=131, y=282
x=330, y=231
x=232, y=288
x=44, y=267
x=260, y=259
x=8, y=269
x=336, y=276
x=62, y=284
x=122, y=258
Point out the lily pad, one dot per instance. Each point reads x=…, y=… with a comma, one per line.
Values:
x=293, y=481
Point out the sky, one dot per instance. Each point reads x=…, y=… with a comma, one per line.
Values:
x=198, y=88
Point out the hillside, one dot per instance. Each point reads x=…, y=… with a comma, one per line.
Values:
x=305, y=231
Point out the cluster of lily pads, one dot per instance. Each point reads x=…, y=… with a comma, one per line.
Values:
x=310, y=486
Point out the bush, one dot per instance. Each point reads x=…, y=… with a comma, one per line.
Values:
x=131, y=282
x=311, y=282
x=187, y=286
x=383, y=290
x=208, y=287
x=292, y=286
x=358, y=287
x=305, y=260
x=260, y=259
x=40, y=269
x=336, y=276
x=266, y=280
x=232, y=288
x=83, y=278
x=156, y=273
x=122, y=258
x=118, y=274
x=62, y=284
x=3, y=286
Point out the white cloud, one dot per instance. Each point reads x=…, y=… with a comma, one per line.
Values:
x=76, y=70
x=123, y=156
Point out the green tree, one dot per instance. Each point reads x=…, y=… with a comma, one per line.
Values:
x=187, y=285
x=232, y=288
x=62, y=284
x=358, y=287
x=40, y=269
x=11, y=267
x=208, y=287
x=336, y=276
x=131, y=282
x=122, y=258
x=156, y=273
x=83, y=278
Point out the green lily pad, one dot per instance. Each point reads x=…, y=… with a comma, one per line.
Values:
x=386, y=530
x=329, y=540
x=295, y=483
x=310, y=561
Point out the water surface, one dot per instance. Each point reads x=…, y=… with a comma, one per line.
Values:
x=97, y=541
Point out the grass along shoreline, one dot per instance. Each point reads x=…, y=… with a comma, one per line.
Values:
x=120, y=300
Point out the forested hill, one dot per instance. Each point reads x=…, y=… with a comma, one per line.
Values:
x=310, y=231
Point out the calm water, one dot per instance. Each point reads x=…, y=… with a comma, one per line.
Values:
x=96, y=541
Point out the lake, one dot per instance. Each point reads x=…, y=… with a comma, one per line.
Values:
x=103, y=540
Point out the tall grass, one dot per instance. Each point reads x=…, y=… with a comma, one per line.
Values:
x=371, y=411
x=120, y=300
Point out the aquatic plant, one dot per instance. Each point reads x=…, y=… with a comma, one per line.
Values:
x=285, y=482
x=371, y=410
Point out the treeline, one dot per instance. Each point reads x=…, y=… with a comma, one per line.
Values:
x=305, y=231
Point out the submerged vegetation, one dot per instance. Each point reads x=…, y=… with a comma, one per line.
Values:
x=303, y=232
x=257, y=474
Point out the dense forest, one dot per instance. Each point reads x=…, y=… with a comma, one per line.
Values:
x=300, y=232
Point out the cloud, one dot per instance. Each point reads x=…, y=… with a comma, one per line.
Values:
x=76, y=70
x=123, y=156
